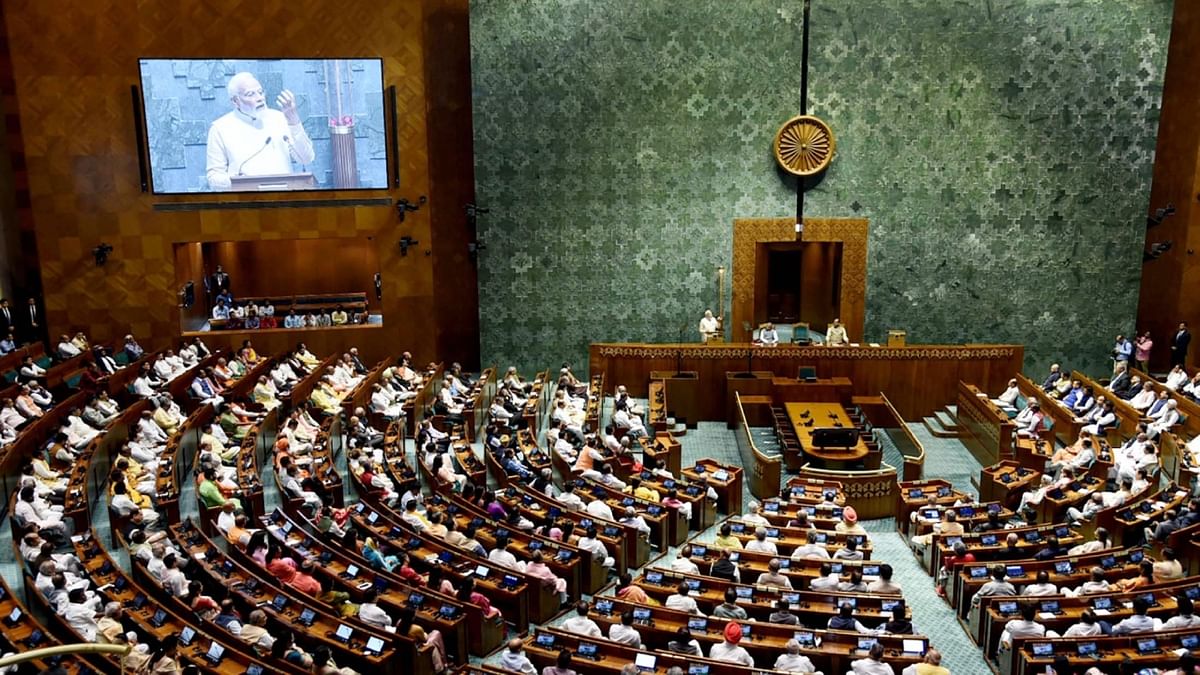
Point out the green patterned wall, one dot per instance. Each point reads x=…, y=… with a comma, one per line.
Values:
x=1002, y=150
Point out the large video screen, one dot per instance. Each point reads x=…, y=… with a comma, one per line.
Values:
x=264, y=125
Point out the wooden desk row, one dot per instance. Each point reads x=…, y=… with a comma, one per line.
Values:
x=812, y=607
x=1058, y=613
x=346, y=571
x=991, y=545
x=827, y=649
x=621, y=541
x=1067, y=570
x=1107, y=653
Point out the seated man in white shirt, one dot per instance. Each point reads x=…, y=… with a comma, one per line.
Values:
x=632, y=518
x=581, y=624
x=761, y=543
x=371, y=613
x=1024, y=627
x=292, y=487
x=503, y=557
x=632, y=424
x=385, y=404
x=1177, y=378
x=794, y=662
x=590, y=541
x=754, y=516
x=828, y=581
x=682, y=601
x=1168, y=419
x=1142, y=400
x=624, y=632
x=683, y=561
x=569, y=499
x=767, y=335
x=66, y=349
x=811, y=549
x=30, y=370
x=1008, y=399
x=873, y=664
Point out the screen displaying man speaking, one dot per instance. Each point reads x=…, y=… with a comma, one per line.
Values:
x=252, y=139
x=218, y=125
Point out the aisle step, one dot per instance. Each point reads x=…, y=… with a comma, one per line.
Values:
x=948, y=420
x=935, y=427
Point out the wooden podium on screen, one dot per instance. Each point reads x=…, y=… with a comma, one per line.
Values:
x=273, y=182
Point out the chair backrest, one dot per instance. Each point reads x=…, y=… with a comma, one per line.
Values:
x=800, y=331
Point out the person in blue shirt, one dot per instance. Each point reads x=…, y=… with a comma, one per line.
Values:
x=8, y=344
x=512, y=466
x=1073, y=395
x=1122, y=350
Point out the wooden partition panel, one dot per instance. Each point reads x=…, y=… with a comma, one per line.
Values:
x=917, y=379
x=296, y=266
x=871, y=493
x=189, y=266
x=764, y=470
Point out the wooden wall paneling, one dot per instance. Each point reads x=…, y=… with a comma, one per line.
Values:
x=1163, y=302
x=189, y=266
x=273, y=267
x=452, y=178
x=72, y=65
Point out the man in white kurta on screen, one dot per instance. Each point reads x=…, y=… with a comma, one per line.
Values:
x=252, y=139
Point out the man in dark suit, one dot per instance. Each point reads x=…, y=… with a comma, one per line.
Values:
x=220, y=281
x=1180, y=344
x=32, y=321
x=1120, y=381
x=7, y=322
x=1052, y=378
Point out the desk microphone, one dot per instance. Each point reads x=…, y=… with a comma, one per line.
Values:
x=256, y=153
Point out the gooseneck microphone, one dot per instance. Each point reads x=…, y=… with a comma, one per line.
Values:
x=256, y=154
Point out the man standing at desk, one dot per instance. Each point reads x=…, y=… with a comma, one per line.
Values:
x=835, y=335
x=710, y=326
x=252, y=139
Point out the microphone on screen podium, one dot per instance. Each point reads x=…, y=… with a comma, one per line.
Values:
x=292, y=147
x=256, y=154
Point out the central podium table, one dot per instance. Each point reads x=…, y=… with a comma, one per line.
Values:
x=824, y=415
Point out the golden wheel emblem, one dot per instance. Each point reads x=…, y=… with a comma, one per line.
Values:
x=804, y=145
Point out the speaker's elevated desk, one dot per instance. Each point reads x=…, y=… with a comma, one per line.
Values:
x=917, y=379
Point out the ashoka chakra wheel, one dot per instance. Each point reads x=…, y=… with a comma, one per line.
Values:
x=804, y=145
